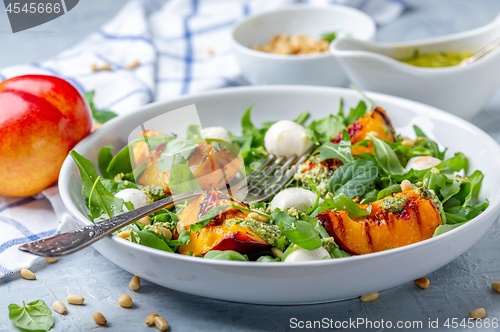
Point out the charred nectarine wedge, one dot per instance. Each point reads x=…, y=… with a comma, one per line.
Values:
x=218, y=235
x=382, y=229
x=376, y=123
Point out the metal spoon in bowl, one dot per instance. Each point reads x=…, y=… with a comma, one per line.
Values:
x=482, y=52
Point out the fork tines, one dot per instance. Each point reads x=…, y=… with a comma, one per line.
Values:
x=262, y=187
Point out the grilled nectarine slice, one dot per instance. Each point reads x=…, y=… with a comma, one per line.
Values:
x=381, y=229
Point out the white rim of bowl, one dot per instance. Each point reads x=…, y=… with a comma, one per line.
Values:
x=299, y=7
x=491, y=212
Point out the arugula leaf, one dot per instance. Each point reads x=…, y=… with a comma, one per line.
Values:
x=267, y=259
x=353, y=178
x=470, y=189
x=441, y=229
x=302, y=118
x=104, y=158
x=386, y=157
x=181, y=178
x=120, y=163
x=342, y=202
x=183, y=240
x=341, y=151
x=207, y=218
x=433, y=147
x=300, y=232
x=101, y=201
x=370, y=102
x=193, y=132
x=176, y=147
x=99, y=116
x=457, y=214
x=150, y=239
x=227, y=255
x=356, y=113
x=327, y=128
x=35, y=317
x=453, y=164
x=329, y=36
x=393, y=188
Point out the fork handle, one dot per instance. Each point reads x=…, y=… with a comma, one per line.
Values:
x=70, y=242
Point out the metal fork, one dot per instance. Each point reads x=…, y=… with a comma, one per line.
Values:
x=258, y=189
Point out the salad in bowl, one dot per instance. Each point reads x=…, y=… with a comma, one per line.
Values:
x=364, y=188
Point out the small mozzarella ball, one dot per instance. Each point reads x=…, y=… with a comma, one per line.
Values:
x=422, y=162
x=298, y=198
x=286, y=138
x=137, y=197
x=216, y=133
x=303, y=255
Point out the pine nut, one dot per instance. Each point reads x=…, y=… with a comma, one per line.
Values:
x=99, y=318
x=161, y=323
x=478, y=313
x=356, y=199
x=210, y=52
x=369, y=297
x=150, y=320
x=277, y=252
x=496, y=286
x=406, y=185
x=256, y=216
x=27, y=274
x=106, y=66
x=145, y=221
x=166, y=232
x=422, y=282
x=407, y=142
x=96, y=126
x=135, y=283
x=59, y=307
x=125, y=234
x=94, y=67
x=180, y=226
x=51, y=259
x=125, y=301
x=133, y=64
x=75, y=299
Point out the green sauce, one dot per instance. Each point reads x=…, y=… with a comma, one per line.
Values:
x=268, y=232
x=394, y=204
x=438, y=59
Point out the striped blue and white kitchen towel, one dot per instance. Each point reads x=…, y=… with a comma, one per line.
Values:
x=182, y=46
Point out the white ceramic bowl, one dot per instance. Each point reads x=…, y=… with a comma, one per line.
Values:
x=312, y=69
x=309, y=282
x=461, y=90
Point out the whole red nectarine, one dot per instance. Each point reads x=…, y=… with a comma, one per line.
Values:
x=41, y=120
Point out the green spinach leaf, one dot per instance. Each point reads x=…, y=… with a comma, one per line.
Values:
x=150, y=239
x=342, y=202
x=300, y=232
x=353, y=178
x=176, y=147
x=227, y=255
x=99, y=116
x=34, y=317
x=182, y=179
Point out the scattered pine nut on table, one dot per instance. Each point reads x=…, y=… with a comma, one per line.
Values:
x=125, y=301
x=27, y=274
x=369, y=297
x=99, y=318
x=75, y=299
x=59, y=307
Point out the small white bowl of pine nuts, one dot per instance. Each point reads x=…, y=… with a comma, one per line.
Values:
x=290, y=45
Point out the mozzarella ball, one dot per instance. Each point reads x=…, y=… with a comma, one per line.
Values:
x=286, y=138
x=137, y=197
x=422, y=162
x=298, y=198
x=299, y=254
x=216, y=133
